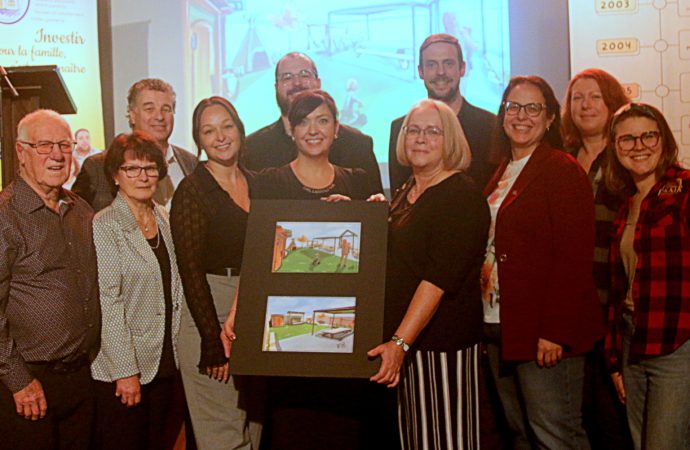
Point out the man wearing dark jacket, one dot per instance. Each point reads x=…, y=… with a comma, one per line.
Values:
x=272, y=145
x=441, y=66
x=151, y=109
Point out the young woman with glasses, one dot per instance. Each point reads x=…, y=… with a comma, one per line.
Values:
x=648, y=342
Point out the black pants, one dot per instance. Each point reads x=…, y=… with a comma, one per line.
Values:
x=67, y=424
x=139, y=427
x=338, y=414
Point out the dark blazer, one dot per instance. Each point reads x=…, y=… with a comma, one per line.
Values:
x=93, y=186
x=478, y=126
x=272, y=147
x=544, y=247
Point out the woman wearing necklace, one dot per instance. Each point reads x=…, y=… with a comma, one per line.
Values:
x=209, y=219
x=592, y=97
x=311, y=176
x=541, y=310
x=313, y=413
x=438, y=225
x=648, y=343
x=141, y=296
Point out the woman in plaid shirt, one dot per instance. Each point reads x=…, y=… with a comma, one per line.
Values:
x=648, y=341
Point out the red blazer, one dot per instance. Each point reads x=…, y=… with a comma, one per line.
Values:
x=544, y=248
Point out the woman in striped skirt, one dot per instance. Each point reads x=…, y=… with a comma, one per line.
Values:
x=438, y=228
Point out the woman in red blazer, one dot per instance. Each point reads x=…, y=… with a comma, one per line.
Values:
x=541, y=309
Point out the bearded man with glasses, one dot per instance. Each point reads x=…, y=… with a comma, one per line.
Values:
x=273, y=145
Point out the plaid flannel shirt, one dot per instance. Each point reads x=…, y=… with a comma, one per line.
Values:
x=661, y=287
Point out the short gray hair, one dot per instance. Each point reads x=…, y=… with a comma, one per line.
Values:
x=34, y=118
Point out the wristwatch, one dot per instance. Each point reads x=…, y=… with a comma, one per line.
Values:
x=400, y=342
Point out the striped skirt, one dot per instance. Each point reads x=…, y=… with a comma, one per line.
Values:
x=438, y=401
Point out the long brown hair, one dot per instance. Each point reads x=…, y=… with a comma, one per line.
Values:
x=201, y=107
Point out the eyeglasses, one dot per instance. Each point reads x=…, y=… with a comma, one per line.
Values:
x=304, y=74
x=648, y=139
x=45, y=147
x=135, y=171
x=415, y=131
x=532, y=109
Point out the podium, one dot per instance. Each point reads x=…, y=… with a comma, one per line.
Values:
x=38, y=87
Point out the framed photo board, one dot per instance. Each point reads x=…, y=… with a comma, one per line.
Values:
x=312, y=289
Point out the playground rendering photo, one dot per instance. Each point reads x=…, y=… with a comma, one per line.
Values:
x=316, y=247
x=309, y=324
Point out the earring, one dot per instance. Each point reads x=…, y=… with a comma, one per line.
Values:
x=336, y=136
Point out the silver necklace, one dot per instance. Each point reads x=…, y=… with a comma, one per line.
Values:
x=158, y=241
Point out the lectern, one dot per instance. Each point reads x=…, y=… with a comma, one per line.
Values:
x=37, y=87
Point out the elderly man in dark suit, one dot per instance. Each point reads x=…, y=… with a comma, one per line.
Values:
x=441, y=66
x=151, y=109
x=272, y=145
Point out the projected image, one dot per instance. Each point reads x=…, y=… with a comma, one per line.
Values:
x=316, y=247
x=366, y=52
x=309, y=324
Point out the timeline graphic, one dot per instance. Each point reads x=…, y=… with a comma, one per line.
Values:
x=646, y=45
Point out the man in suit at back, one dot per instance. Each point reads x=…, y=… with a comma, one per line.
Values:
x=272, y=145
x=151, y=109
x=441, y=66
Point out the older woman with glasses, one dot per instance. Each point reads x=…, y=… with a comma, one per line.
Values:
x=541, y=309
x=648, y=342
x=141, y=294
x=437, y=234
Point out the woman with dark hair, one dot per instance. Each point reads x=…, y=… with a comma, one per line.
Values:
x=438, y=226
x=141, y=294
x=648, y=342
x=540, y=305
x=592, y=97
x=209, y=219
x=314, y=127
x=316, y=413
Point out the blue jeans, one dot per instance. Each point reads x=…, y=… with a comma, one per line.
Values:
x=553, y=402
x=542, y=406
x=658, y=398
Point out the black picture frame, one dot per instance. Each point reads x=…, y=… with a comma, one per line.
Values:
x=259, y=282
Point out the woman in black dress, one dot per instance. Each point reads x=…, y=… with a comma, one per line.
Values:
x=306, y=413
x=439, y=223
x=311, y=176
